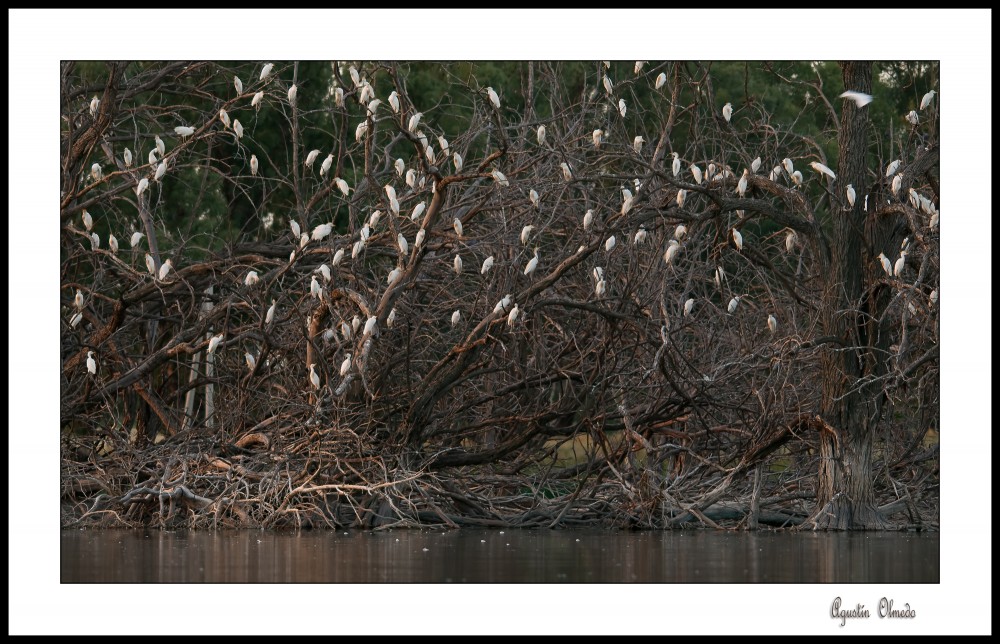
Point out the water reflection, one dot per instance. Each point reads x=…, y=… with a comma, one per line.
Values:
x=524, y=556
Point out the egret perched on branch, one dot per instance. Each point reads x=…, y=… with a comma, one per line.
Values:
x=672, y=249
x=95, y=172
x=933, y=297
x=415, y=121
x=184, y=130
x=588, y=218
x=303, y=240
x=357, y=248
x=355, y=77
x=597, y=138
x=609, y=245
x=75, y=320
x=411, y=178
x=400, y=167
x=456, y=158
x=391, y=320
x=91, y=363
x=150, y=264
x=727, y=111
x=772, y=323
x=788, y=166
x=860, y=98
x=790, y=239
x=676, y=166
x=270, y=312
x=161, y=170
x=733, y=303
x=822, y=169
x=78, y=300
x=393, y=276
x=912, y=118
x=394, y=101
x=540, y=134
x=311, y=158
x=926, y=100
x=238, y=84
x=533, y=197
x=345, y=331
x=640, y=236
x=338, y=257
x=214, y=342
x=741, y=186
x=296, y=230
x=342, y=185
x=113, y=243
x=361, y=131
x=493, y=97
x=622, y=107
x=315, y=289
x=95, y=241
x=325, y=271
x=456, y=317
x=680, y=231
x=512, y=316
x=503, y=303
x=136, y=238
x=900, y=264
x=164, y=269
x=127, y=155
x=88, y=221
x=254, y=164
x=755, y=165
x=681, y=197
x=775, y=173
x=637, y=144
x=897, y=183
x=238, y=128
x=94, y=104
x=608, y=85
x=293, y=92
x=660, y=81
x=327, y=164
x=251, y=278
x=892, y=168
x=738, y=239
x=429, y=153
x=797, y=178
x=600, y=288
x=266, y=70
x=696, y=173
x=626, y=203
x=418, y=210
x=688, y=307
x=851, y=195
x=487, y=265
x=532, y=264
x=420, y=238
x=458, y=264
x=526, y=233
x=322, y=231
x=369, y=326
x=500, y=178
x=313, y=376
x=338, y=96
x=152, y=157
x=567, y=173
x=886, y=264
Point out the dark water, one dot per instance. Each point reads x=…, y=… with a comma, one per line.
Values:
x=524, y=556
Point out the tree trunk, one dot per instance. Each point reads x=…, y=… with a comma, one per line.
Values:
x=845, y=495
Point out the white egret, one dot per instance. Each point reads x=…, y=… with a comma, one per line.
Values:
x=886, y=264
x=933, y=297
x=95, y=172
x=487, y=265
x=688, y=306
x=672, y=249
x=597, y=135
x=161, y=170
x=456, y=317
x=772, y=323
x=851, y=195
x=503, y=303
x=533, y=197
x=394, y=205
x=640, y=236
x=293, y=92
x=94, y=104
x=860, y=98
x=394, y=101
x=738, y=239
x=313, y=376
x=458, y=264
x=660, y=81
x=456, y=158
x=238, y=84
x=75, y=320
x=338, y=96
x=727, y=111
x=676, y=165
x=912, y=118
x=598, y=273
x=588, y=218
x=254, y=164
x=238, y=128
x=161, y=147
x=411, y=178
x=322, y=231
x=415, y=121
x=914, y=198
x=303, y=240
x=369, y=326
x=311, y=158
x=164, y=269
x=373, y=219
x=733, y=303
x=113, y=243
x=532, y=264
x=361, y=131
x=342, y=185
x=720, y=275
x=214, y=342
x=391, y=320
x=95, y=241
x=493, y=97
x=622, y=107
x=540, y=135
x=788, y=166
x=697, y=174
x=900, y=264
x=790, y=239
x=897, y=183
x=345, y=331
x=755, y=165
x=327, y=164
x=934, y=221
x=637, y=144
x=429, y=153
x=892, y=168
x=609, y=245
x=638, y=66
x=680, y=231
x=681, y=197
x=325, y=271
x=526, y=234
x=741, y=185
x=443, y=142
x=266, y=70
x=822, y=169
x=251, y=278
x=457, y=225
x=393, y=276
x=797, y=178
x=251, y=361
x=184, y=130
x=150, y=264
x=400, y=167
x=775, y=173
x=224, y=118
x=78, y=299
x=926, y=100
x=338, y=257
x=152, y=157
x=418, y=210
x=88, y=221
x=608, y=85
x=315, y=289
x=600, y=288
x=512, y=316
x=270, y=312
x=420, y=238
x=91, y=363
x=567, y=173
x=127, y=155
x=357, y=248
